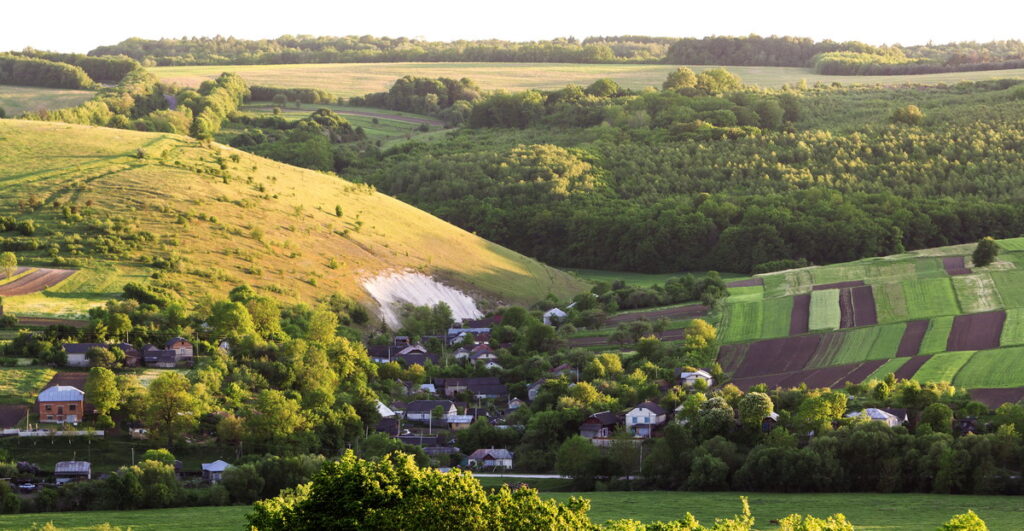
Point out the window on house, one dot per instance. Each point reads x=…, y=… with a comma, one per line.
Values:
x=49, y=407
x=49, y=417
x=71, y=407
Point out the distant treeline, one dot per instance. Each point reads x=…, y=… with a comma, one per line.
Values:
x=367, y=49
x=108, y=69
x=752, y=50
x=449, y=99
x=34, y=72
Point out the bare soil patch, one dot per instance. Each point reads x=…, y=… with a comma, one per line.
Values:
x=911, y=366
x=37, y=280
x=864, y=313
x=799, y=317
x=731, y=356
x=954, y=265
x=913, y=335
x=994, y=398
x=977, y=331
x=774, y=356
x=846, y=308
x=835, y=376
x=10, y=416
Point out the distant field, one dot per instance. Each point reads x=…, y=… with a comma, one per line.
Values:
x=866, y=511
x=356, y=79
x=16, y=100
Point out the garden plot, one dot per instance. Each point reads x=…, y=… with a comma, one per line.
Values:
x=1010, y=285
x=942, y=367
x=976, y=331
x=996, y=397
x=929, y=298
x=954, y=265
x=773, y=356
x=1013, y=328
x=910, y=368
x=36, y=281
x=937, y=336
x=825, y=314
x=913, y=335
x=977, y=293
x=799, y=316
x=993, y=368
x=887, y=368
x=776, y=317
x=742, y=322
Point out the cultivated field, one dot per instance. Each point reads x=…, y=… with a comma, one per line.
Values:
x=924, y=315
x=16, y=100
x=915, y=512
x=34, y=281
x=356, y=79
x=203, y=216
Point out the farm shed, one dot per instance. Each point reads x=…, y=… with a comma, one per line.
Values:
x=66, y=471
x=212, y=471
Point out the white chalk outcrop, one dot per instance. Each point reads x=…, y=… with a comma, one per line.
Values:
x=391, y=290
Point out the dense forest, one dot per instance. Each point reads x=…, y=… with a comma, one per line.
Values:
x=824, y=56
x=37, y=72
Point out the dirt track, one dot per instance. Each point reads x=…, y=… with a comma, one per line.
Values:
x=37, y=280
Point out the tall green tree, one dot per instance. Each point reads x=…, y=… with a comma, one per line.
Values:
x=171, y=409
x=8, y=263
x=985, y=253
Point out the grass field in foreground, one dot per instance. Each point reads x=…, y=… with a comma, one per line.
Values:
x=866, y=511
x=16, y=100
x=356, y=79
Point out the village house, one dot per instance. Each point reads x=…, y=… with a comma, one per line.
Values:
x=67, y=471
x=567, y=371
x=486, y=323
x=76, y=353
x=61, y=403
x=642, y=420
x=555, y=317
x=768, y=423
x=182, y=347
x=484, y=387
x=516, y=403
x=689, y=378
x=490, y=458
x=155, y=357
x=212, y=472
x=458, y=335
x=599, y=427
x=132, y=355
x=534, y=389
x=889, y=417
x=460, y=422
x=422, y=410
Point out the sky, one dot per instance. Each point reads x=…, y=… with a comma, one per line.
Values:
x=77, y=26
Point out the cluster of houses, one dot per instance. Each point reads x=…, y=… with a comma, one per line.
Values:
x=177, y=352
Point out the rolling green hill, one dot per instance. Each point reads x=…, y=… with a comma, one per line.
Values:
x=202, y=218
x=925, y=315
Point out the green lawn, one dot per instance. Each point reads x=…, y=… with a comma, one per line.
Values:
x=942, y=367
x=742, y=321
x=825, y=312
x=746, y=293
x=20, y=385
x=1012, y=244
x=1010, y=285
x=929, y=297
x=937, y=336
x=890, y=366
x=777, y=315
x=1002, y=367
x=16, y=100
x=915, y=512
x=890, y=302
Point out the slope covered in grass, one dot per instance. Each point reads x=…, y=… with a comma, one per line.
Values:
x=123, y=205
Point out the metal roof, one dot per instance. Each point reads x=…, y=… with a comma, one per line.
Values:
x=216, y=466
x=61, y=393
x=70, y=467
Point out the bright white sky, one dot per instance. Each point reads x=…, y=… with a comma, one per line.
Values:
x=76, y=25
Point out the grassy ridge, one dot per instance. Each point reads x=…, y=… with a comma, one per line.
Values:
x=354, y=79
x=16, y=100
x=288, y=251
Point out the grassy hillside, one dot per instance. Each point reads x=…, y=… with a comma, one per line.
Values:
x=123, y=205
x=356, y=79
x=928, y=314
x=16, y=100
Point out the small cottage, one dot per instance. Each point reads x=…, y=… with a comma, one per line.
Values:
x=642, y=420
x=555, y=317
x=889, y=417
x=66, y=471
x=61, y=403
x=689, y=378
x=490, y=458
x=422, y=410
x=212, y=472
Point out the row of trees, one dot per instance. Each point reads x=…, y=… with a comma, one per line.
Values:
x=107, y=69
x=446, y=98
x=35, y=72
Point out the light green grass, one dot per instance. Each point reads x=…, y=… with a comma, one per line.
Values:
x=870, y=343
x=12, y=278
x=1013, y=328
x=1010, y=285
x=743, y=322
x=890, y=303
x=867, y=511
x=1002, y=367
x=825, y=314
x=17, y=100
x=942, y=367
x=777, y=315
x=20, y=385
x=839, y=273
x=1011, y=244
x=644, y=280
x=747, y=293
x=352, y=79
x=929, y=298
x=390, y=125
x=887, y=368
x=300, y=231
x=937, y=335
x=976, y=293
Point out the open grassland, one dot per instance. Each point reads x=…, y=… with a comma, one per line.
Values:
x=915, y=512
x=355, y=79
x=259, y=222
x=1002, y=367
x=17, y=100
x=942, y=367
x=825, y=313
x=19, y=385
